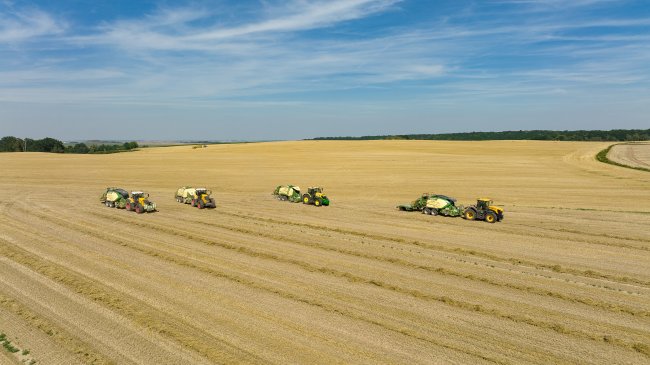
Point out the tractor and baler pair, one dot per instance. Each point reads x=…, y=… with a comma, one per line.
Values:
x=196, y=197
x=136, y=201
x=435, y=204
x=291, y=193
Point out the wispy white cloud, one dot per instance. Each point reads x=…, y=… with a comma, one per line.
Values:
x=168, y=29
x=195, y=57
x=17, y=26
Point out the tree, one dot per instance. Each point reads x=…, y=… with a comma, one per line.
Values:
x=11, y=144
x=80, y=148
x=130, y=145
x=50, y=145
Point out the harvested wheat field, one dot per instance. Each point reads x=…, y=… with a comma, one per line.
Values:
x=565, y=278
x=634, y=155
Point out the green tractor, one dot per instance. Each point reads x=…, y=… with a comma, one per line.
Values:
x=484, y=211
x=139, y=202
x=287, y=193
x=315, y=196
x=114, y=198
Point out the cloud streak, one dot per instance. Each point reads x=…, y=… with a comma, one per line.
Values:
x=20, y=26
x=315, y=53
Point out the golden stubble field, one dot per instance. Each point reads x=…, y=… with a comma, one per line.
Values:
x=565, y=278
x=635, y=155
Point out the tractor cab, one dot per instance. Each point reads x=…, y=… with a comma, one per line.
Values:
x=315, y=190
x=139, y=196
x=483, y=203
x=488, y=205
x=202, y=191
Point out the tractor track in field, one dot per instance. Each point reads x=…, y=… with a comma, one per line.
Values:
x=603, y=239
x=82, y=350
x=438, y=270
x=155, y=254
x=357, y=282
x=335, y=310
x=130, y=307
x=192, y=264
x=458, y=250
x=616, y=308
x=352, y=278
x=405, y=263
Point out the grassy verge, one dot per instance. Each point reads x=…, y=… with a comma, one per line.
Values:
x=602, y=157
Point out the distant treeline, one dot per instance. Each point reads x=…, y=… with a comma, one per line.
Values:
x=14, y=144
x=539, y=135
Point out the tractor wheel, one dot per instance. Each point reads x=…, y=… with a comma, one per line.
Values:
x=424, y=210
x=193, y=202
x=470, y=215
x=213, y=203
x=490, y=217
x=129, y=207
x=200, y=204
x=433, y=211
x=305, y=199
x=318, y=202
x=106, y=203
x=139, y=209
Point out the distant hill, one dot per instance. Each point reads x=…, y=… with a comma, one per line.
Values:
x=614, y=135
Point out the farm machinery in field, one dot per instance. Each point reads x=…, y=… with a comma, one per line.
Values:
x=288, y=193
x=484, y=211
x=315, y=196
x=417, y=205
x=197, y=197
x=442, y=205
x=114, y=198
x=433, y=204
x=139, y=202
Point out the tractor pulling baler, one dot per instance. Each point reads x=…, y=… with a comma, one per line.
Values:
x=436, y=204
x=137, y=201
x=313, y=196
x=197, y=197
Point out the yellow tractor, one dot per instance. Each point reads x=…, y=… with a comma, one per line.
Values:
x=202, y=199
x=483, y=211
x=139, y=202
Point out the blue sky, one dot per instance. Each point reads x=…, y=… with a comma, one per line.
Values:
x=271, y=69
